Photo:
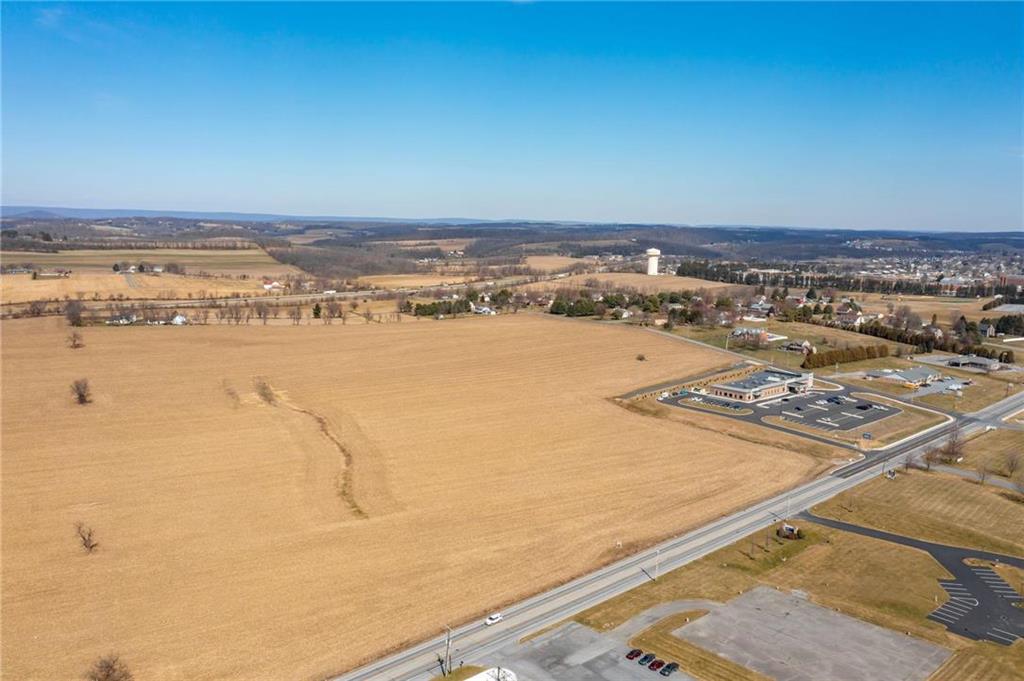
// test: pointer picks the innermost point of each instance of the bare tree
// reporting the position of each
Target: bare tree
(36, 308)
(953, 449)
(296, 315)
(236, 314)
(203, 316)
(1012, 462)
(332, 311)
(80, 389)
(982, 469)
(109, 668)
(85, 533)
(908, 461)
(933, 456)
(73, 313)
(75, 340)
(262, 312)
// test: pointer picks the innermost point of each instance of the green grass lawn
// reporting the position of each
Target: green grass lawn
(822, 337)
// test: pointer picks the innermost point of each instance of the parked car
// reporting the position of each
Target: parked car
(669, 669)
(646, 659)
(656, 665)
(494, 619)
(633, 654)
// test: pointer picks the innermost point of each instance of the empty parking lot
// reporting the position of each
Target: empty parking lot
(833, 410)
(785, 636)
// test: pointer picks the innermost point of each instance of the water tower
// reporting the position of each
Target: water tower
(652, 261)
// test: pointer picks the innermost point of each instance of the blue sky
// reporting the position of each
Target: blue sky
(860, 115)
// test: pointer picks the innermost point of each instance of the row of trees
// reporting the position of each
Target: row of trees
(442, 307)
(1004, 300)
(844, 355)
(1012, 324)
(924, 341)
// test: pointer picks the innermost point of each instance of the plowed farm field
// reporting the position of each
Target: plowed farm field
(279, 502)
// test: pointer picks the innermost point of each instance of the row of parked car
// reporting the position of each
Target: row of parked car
(651, 661)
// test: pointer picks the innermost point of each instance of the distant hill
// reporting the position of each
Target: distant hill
(99, 213)
(34, 213)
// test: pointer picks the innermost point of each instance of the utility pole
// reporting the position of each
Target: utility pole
(447, 650)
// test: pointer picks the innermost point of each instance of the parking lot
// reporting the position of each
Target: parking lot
(819, 409)
(980, 604)
(574, 652)
(785, 636)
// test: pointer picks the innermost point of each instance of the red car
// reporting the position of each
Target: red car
(633, 654)
(656, 665)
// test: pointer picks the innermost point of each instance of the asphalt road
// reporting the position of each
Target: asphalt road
(980, 605)
(476, 641)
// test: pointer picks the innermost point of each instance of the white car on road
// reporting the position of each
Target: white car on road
(494, 619)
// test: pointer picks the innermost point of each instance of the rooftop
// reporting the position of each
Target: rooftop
(761, 379)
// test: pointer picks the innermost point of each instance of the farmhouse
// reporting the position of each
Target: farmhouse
(763, 385)
(800, 346)
(974, 362)
(750, 334)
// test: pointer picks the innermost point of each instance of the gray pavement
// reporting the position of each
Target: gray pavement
(972, 475)
(785, 636)
(574, 652)
(980, 605)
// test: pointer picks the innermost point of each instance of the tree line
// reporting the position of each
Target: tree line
(844, 355)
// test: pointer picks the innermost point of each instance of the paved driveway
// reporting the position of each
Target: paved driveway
(980, 605)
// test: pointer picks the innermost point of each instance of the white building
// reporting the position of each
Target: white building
(494, 674)
(652, 261)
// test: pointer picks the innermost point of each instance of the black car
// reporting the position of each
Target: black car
(646, 659)
(669, 669)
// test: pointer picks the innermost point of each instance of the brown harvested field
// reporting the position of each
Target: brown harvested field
(253, 262)
(633, 280)
(86, 285)
(556, 263)
(406, 476)
(426, 244)
(941, 306)
(411, 280)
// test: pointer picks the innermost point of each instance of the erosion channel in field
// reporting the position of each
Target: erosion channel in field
(343, 469)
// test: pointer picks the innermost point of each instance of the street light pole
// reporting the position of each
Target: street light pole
(447, 650)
